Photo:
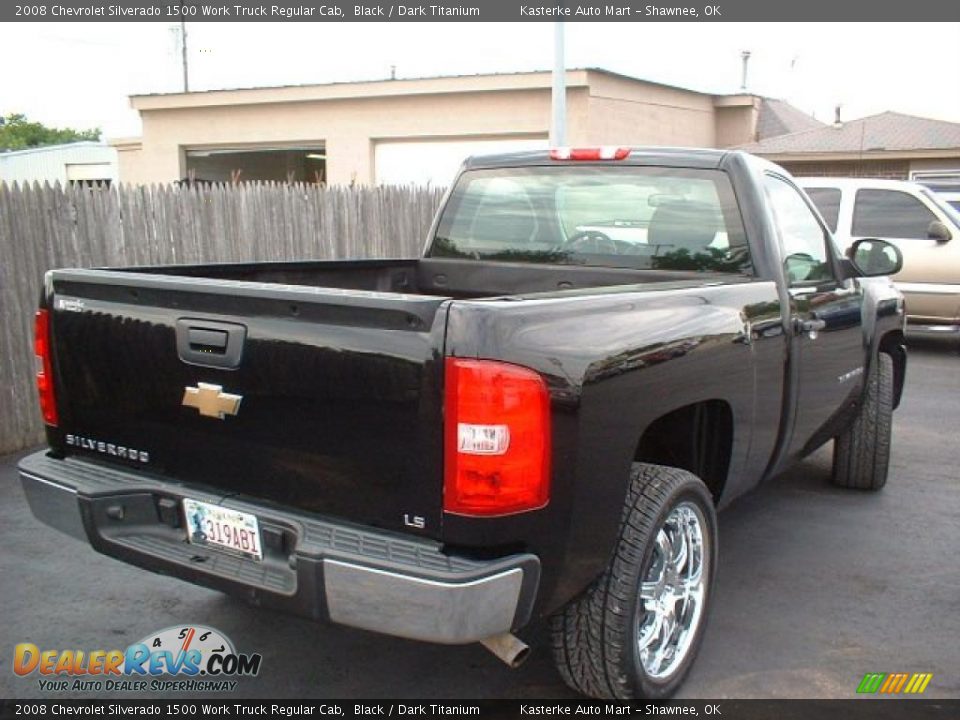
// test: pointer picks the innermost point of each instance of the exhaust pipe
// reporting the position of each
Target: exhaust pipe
(509, 648)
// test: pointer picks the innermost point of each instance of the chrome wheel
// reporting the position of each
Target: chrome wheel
(673, 590)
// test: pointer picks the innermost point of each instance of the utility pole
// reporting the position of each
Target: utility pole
(183, 55)
(558, 127)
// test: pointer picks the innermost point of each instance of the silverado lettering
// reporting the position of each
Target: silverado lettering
(118, 451)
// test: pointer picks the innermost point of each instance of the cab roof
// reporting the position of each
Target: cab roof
(704, 158)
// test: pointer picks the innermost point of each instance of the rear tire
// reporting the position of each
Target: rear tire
(861, 454)
(635, 631)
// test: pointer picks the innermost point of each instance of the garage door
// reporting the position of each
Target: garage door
(436, 161)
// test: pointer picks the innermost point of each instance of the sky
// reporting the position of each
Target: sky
(81, 74)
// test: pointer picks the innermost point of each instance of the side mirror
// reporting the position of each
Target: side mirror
(939, 232)
(874, 258)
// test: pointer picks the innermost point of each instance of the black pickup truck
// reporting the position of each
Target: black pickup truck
(535, 420)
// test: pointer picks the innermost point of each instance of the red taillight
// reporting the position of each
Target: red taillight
(497, 438)
(607, 152)
(41, 347)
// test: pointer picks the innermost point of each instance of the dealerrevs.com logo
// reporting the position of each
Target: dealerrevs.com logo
(185, 658)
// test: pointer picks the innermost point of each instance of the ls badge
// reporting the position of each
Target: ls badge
(211, 401)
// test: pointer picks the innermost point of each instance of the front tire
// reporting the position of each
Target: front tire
(635, 631)
(861, 454)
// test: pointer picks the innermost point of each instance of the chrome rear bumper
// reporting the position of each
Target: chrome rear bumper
(362, 577)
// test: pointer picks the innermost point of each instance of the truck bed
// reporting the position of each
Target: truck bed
(438, 277)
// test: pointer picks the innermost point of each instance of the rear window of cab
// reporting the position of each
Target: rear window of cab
(617, 216)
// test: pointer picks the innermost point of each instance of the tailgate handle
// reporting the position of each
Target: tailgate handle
(209, 343)
(204, 340)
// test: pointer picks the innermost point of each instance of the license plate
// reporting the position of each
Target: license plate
(220, 527)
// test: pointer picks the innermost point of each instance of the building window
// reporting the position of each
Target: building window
(233, 165)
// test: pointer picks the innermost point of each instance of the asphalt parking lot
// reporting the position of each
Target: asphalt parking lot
(817, 586)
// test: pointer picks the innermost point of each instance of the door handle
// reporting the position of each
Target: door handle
(812, 326)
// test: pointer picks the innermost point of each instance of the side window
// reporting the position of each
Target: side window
(827, 201)
(804, 240)
(890, 214)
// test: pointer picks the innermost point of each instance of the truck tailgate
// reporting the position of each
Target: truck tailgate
(330, 399)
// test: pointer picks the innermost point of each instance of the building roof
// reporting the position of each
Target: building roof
(428, 78)
(778, 117)
(53, 148)
(353, 90)
(886, 132)
(442, 84)
(774, 116)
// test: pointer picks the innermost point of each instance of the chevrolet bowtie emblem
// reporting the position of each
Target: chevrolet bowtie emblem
(211, 401)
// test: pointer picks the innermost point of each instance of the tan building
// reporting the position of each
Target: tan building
(398, 131)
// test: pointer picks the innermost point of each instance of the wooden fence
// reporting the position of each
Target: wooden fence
(44, 227)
